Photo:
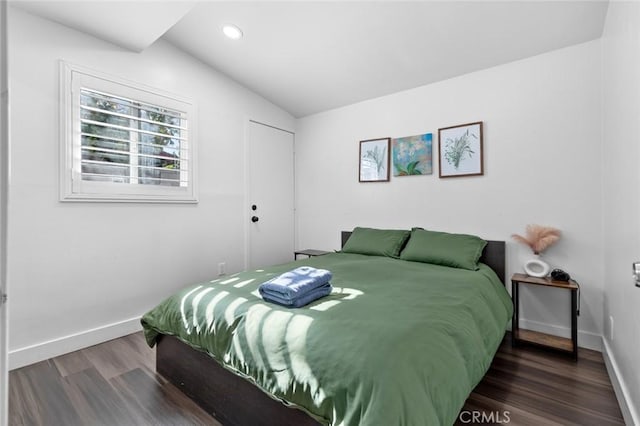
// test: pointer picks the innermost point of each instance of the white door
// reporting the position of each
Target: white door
(4, 162)
(270, 209)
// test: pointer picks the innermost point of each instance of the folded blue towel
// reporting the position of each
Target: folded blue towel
(295, 283)
(299, 301)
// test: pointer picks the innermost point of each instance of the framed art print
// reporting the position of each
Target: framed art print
(460, 150)
(374, 160)
(412, 155)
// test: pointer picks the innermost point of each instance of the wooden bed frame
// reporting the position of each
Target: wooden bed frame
(235, 401)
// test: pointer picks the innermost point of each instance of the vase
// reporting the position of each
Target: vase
(536, 267)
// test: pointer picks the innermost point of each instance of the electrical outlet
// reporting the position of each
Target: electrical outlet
(222, 268)
(611, 328)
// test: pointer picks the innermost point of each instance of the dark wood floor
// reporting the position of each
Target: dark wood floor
(114, 383)
(539, 387)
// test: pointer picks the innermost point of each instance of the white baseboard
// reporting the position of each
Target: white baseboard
(586, 339)
(629, 410)
(73, 342)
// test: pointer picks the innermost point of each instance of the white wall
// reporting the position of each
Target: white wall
(78, 267)
(542, 133)
(621, 203)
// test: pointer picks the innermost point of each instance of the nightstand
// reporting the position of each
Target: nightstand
(309, 253)
(519, 335)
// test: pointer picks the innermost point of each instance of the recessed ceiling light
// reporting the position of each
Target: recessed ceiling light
(232, 31)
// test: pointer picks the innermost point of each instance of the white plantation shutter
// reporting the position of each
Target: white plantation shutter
(124, 141)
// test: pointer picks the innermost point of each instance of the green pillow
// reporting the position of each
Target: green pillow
(441, 248)
(376, 242)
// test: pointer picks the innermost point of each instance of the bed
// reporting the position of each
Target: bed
(397, 342)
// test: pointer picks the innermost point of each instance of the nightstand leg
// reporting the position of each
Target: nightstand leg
(515, 320)
(574, 322)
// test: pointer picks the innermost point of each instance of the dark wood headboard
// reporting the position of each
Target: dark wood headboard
(493, 255)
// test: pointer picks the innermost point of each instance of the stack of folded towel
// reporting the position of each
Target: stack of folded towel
(298, 287)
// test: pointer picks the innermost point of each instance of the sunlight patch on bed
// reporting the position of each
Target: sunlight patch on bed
(237, 351)
(194, 304)
(325, 305)
(230, 280)
(347, 293)
(253, 319)
(211, 306)
(351, 293)
(230, 312)
(230, 318)
(273, 338)
(296, 339)
(243, 283)
(275, 342)
(185, 320)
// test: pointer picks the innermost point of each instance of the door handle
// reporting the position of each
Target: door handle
(254, 219)
(636, 273)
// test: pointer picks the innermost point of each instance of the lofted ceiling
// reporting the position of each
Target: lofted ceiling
(125, 23)
(308, 57)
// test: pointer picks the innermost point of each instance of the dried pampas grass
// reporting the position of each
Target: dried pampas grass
(538, 237)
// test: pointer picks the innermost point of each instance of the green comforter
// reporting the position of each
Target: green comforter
(396, 343)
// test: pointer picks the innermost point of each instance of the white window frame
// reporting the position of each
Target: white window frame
(72, 187)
